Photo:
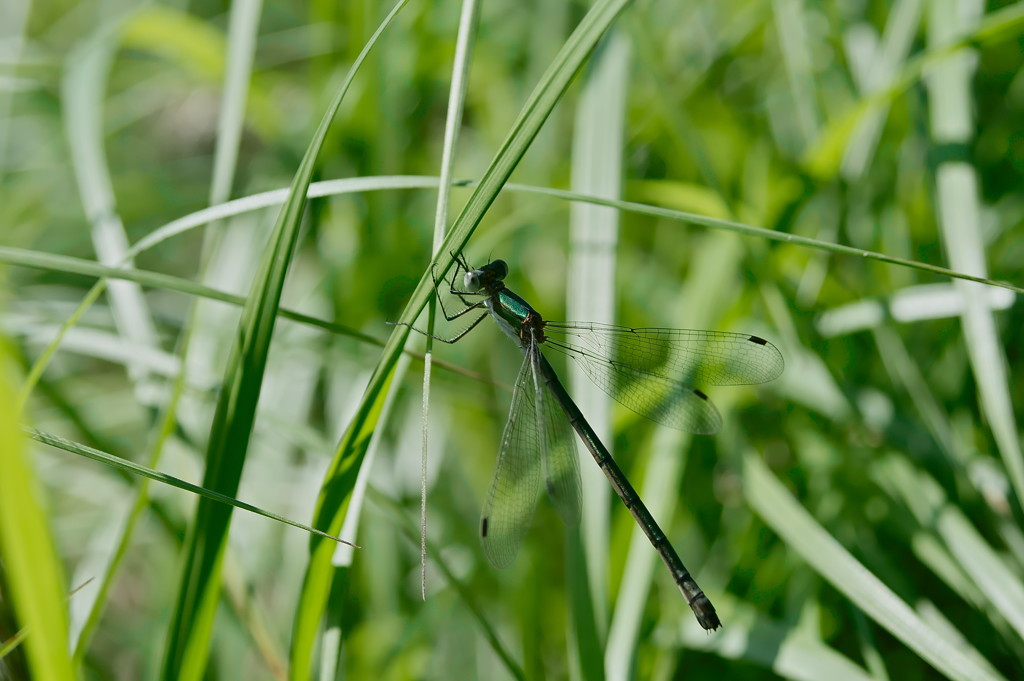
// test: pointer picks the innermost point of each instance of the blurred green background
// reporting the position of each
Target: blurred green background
(890, 127)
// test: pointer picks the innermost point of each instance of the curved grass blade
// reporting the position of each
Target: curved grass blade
(10, 645)
(336, 187)
(137, 469)
(769, 234)
(385, 182)
(336, 492)
(240, 48)
(192, 624)
(83, 85)
(167, 282)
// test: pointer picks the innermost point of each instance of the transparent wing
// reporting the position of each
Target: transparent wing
(538, 443)
(671, 403)
(517, 475)
(561, 460)
(653, 371)
(688, 356)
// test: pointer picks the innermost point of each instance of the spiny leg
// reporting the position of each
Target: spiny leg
(460, 263)
(465, 268)
(454, 339)
(451, 317)
(440, 300)
(455, 276)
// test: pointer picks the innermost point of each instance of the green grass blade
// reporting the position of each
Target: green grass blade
(34, 573)
(135, 515)
(8, 646)
(82, 89)
(959, 213)
(240, 48)
(63, 263)
(598, 147)
(468, 21)
(584, 636)
(191, 628)
(137, 469)
(16, 18)
(180, 38)
(453, 120)
(771, 235)
(333, 187)
(39, 366)
(335, 630)
(276, 197)
(803, 534)
(166, 282)
(336, 492)
(727, 106)
(243, 28)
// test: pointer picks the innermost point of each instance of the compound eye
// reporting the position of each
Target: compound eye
(472, 280)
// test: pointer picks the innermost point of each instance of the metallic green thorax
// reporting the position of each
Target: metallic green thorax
(516, 317)
(512, 308)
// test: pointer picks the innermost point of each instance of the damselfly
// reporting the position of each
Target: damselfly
(654, 372)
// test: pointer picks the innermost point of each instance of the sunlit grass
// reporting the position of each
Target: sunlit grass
(784, 169)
